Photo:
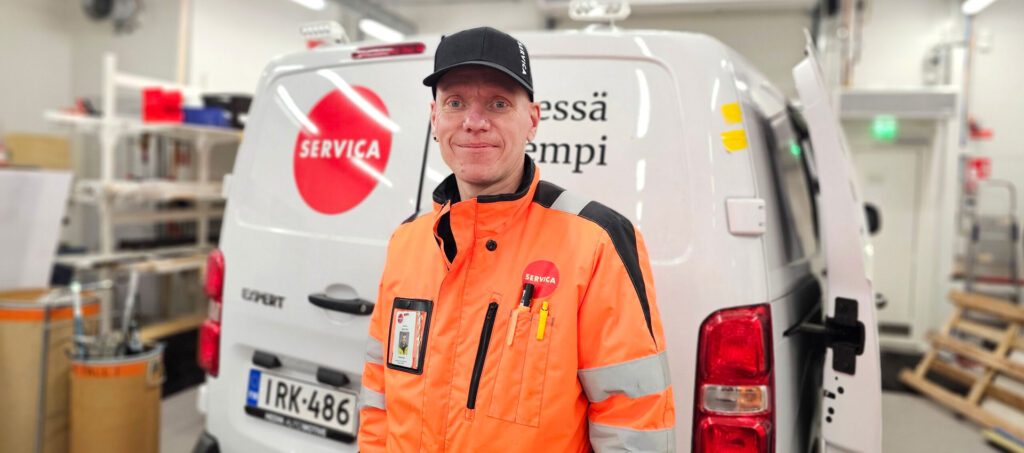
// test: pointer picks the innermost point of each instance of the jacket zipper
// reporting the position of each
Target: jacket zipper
(481, 354)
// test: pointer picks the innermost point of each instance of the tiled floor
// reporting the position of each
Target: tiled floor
(912, 424)
(180, 422)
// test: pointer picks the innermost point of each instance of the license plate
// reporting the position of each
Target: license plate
(311, 408)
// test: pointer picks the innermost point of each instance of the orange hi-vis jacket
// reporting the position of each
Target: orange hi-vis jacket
(454, 363)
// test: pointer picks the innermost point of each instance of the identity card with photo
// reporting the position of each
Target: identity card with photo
(407, 337)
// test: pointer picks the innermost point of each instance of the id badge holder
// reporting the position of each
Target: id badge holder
(408, 333)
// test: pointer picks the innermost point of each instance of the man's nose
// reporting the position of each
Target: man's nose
(475, 120)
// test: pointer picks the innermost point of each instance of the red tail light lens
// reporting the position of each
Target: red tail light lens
(389, 50)
(733, 346)
(215, 275)
(735, 392)
(741, 435)
(208, 355)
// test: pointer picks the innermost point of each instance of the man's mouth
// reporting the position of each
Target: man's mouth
(476, 145)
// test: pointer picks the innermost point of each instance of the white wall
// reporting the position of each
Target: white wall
(896, 36)
(35, 61)
(996, 94)
(232, 40)
(50, 53)
(151, 50)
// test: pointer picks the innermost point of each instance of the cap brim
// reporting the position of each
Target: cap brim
(432, 79)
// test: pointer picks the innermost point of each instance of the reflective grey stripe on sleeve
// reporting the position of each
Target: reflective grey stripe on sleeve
(569, 202)
(370, 398)
(374, 351)
(612, 439)
(635, 378)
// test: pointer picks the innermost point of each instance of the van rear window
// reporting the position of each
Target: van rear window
(789, 169)
(338, 151)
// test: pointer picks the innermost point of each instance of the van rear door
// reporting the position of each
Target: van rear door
(329, 167)
(851, 406)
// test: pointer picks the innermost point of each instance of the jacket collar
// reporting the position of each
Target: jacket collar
(461, 222)
(448, 190)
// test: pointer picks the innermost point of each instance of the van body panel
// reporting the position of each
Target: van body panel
(631, 119)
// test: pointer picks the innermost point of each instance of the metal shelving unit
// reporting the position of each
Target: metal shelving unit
(108, 193)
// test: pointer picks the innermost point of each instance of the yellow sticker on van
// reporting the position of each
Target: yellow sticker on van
(734, 140)
(731, 113)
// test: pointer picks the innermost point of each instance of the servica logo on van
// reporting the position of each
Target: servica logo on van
(339, 162)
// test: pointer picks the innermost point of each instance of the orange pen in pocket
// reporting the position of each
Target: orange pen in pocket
(512, 323)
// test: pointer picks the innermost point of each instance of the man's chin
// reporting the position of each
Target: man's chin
(476, 180)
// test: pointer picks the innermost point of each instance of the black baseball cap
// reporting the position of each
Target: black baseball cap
(483, 46)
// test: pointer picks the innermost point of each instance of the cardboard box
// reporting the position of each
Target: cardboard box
(37, 150)
(21, 342)
(115, 403)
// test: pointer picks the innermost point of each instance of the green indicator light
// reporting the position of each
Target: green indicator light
(885, 128)
(794, 149)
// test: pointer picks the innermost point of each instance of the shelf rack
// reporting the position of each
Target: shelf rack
(108, 191)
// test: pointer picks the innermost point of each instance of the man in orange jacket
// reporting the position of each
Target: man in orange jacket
(516, 317)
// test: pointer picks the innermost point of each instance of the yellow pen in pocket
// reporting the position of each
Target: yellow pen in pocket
(543, 320)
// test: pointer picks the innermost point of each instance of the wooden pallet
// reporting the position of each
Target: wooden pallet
(995, 361)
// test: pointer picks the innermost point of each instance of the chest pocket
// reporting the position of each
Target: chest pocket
(519, 388)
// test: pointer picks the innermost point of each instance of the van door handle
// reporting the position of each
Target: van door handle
(355, 306)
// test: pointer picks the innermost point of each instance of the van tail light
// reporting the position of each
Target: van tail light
(734, 410)
(215, 275)
(208, 354)
(388, 50)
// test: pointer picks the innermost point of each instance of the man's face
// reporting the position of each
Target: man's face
(482, 119)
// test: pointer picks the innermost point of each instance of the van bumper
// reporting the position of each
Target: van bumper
(206, 444)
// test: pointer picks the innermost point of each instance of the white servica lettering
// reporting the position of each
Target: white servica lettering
(522, 56)
(337, 149)
(541, 279)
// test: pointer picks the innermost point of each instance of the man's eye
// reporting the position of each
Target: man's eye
(500, 104)
(454, 104)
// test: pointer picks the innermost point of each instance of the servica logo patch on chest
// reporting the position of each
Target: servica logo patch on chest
(543, 275)
(339, 163)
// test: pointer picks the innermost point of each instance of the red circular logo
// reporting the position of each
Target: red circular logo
(341, 158)
(543, 275)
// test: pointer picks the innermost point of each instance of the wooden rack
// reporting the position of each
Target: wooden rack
(995, 361)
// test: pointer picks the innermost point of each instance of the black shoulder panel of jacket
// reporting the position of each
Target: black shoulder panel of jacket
(546, 193)
(623, 236)
(618, 227)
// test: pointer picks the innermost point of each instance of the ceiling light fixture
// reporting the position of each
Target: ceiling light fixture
(972, 7)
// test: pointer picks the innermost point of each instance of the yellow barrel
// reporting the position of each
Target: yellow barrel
(23, 327)
(115, 403)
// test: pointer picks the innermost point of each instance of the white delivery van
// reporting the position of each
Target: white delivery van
(747, 204)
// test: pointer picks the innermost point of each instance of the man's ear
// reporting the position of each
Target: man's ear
(534, 120)
(433, 116)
